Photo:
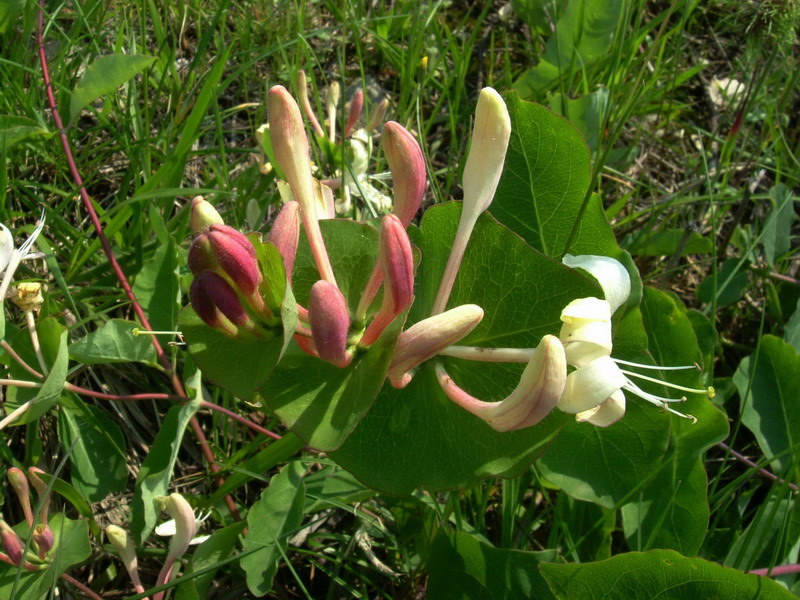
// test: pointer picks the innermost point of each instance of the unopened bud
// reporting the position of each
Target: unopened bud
(19, 482)
(125, 547)
(44, 538)
(285, 234)
(428, 337)
(536, 394)
(490, 135)
(302, 88)
(329, 318)
(42, 491)
(407, 165)
(203, 215)
(11, 543)
(397, 266)
(236, 257)
(377, 115)
(356, 106)
(219, 306)
(332, 101)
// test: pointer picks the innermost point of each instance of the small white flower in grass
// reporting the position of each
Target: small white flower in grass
(168, 528)
(10, 256)
(593, 391)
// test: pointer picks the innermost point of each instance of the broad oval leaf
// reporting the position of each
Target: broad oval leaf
(661, 574)
(114, 342)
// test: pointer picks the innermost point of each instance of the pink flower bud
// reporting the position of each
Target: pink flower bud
(397, 265)
(236, 257)
(285, 234)
(356, 106)
(44, 539)
(302, 88)
(203, 215)
(407, 165)
(330, 322)
(42, 491)
(185, 525)
(377, 115)
(428, 337)
(11, 543)
(20, 484)
(219, 306)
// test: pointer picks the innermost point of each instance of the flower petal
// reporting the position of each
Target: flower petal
(590, 385)
(605, 414)
(612, 276)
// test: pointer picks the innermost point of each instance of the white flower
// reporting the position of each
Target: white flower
(169, 528)
(10, 256)
(593, 391)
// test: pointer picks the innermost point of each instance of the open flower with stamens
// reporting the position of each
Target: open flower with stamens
(594, 390)
(11, 256)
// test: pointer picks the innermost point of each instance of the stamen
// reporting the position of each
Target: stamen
(657, 400)
(705, 392)
(619, 361)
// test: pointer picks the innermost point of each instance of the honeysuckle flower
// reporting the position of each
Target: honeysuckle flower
(11, 257)
(484, 166)
(329, 319)
(397, 266)
(594, 390)
(426, 338)
(356, 106)
(285, 234)
(292, 152)
(219, 306)
(44, 538)
(11, 543)
(537, 392)
(203, 215)
(126, 548)
(185, 528)
(169, 528)
(29, 295)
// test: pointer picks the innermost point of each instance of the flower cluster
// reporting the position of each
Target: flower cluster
(43, 540)
(573, 371)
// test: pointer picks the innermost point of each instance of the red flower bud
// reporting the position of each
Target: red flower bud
(407, 165)
(397, 263)
(285, 234)
(44, 538)
(330, 322)
(219, 306)
(20, 484)
(11, 543)
(356, 106)
(236, 257)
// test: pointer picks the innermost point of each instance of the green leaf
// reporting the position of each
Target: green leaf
(53, 341)
(16, 129)
(97, 449)
(728, 286)
(418, 437)
(778, 226)
(114, 342)
(332, 487)
(587, 113)
(791, 332)
(672, 510)
(667, 242)
(106, 74)
(661, 574)
(544, 183)
(462, 566)
(583, 35)
(768, 382)
(271, 521)
(157, 288)
(9, 10)
(156, 470)
(770, 537)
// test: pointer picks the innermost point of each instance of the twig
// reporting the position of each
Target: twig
(7, 347)
(775, 571)
(761, 471)
(240, 419)
(123, 280)
(85, 589)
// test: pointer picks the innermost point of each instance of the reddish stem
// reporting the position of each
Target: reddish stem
(123, 280)
(85, 589)
(775, 571)
(240, 419)
(761, 471)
